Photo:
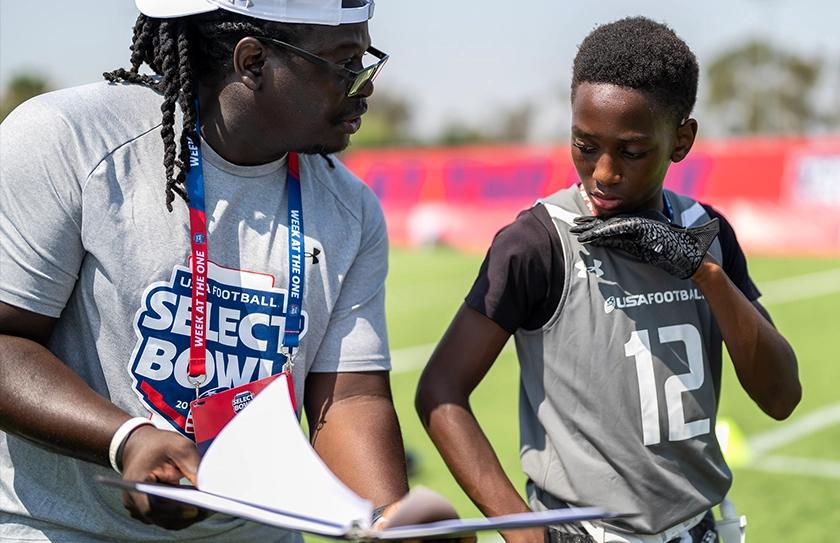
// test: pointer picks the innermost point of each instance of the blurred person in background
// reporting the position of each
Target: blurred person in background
(104, 189)
(619, 294)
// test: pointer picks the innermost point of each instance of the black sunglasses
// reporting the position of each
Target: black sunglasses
(356, 79)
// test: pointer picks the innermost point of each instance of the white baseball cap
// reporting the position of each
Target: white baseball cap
(321, 12)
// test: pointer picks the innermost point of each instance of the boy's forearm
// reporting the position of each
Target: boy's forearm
(474, 464)
(764, 361)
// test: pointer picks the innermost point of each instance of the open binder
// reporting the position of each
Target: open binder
(238, 476)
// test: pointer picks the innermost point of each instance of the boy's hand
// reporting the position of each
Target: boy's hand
(650, 238)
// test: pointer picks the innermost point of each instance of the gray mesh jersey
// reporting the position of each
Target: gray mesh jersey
(617, 400)
(86, 238)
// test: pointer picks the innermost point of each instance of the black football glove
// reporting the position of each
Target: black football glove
(650, 238)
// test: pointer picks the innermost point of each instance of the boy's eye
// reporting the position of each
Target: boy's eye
(633, 155)
(585, 149)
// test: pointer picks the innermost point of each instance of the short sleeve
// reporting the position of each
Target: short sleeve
(40, 209)
(520, 281)
(734, 262)
(356, 338)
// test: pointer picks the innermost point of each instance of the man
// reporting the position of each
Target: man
(619, 301)
(110, 286)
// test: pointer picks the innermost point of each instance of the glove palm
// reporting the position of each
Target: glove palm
(651, 239)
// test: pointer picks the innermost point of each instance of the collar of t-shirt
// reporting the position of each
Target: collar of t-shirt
(210, 156)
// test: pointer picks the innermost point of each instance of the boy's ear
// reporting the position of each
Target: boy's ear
(686, 133)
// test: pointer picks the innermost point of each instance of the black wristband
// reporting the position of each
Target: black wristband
(121, 449)
(119, 455)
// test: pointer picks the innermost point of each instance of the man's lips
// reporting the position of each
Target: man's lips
(350, 123)
(351, 126)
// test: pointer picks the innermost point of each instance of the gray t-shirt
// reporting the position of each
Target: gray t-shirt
(86, 238)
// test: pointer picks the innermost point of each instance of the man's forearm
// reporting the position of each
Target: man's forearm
(764, 361)
(354, 428)
(43, 400)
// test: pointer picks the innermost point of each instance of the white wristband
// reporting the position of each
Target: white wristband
(121, 435)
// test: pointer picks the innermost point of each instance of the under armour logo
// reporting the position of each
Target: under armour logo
(583, 268)
(313, 255)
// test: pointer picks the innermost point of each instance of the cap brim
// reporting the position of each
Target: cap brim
(165, 9)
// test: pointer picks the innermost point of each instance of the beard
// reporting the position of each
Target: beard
(324, 149)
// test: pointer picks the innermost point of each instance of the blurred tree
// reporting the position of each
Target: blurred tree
(458, 133)
(834, 92)
(387, 122)
(756, 88)
(516, 123)
(21, 88)
(511, 125)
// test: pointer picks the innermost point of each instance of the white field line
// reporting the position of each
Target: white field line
(795, 429)
(800, 287)
(794, 465)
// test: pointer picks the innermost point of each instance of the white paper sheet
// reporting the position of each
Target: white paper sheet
(204, 500)
(262, 457)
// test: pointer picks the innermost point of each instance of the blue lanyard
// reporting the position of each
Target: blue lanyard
(199, 319)
(297, 262)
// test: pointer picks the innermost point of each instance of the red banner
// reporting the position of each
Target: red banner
(782, 195)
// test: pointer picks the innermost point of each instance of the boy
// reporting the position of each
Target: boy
(619, 298)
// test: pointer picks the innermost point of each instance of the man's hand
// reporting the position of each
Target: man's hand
(421, 506)
(650, 238)
(160, 456)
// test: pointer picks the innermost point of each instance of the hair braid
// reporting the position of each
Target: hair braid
(186, 100)
(140, 48)
(168, 61)
(164, 46)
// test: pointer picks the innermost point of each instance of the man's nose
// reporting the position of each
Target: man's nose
(365, 90)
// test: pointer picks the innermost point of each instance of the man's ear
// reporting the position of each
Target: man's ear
(686, 133)
(249, 60)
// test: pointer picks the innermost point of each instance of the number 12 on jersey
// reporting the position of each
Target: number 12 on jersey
(639, 348)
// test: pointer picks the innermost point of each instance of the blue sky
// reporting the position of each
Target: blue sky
(463, 59)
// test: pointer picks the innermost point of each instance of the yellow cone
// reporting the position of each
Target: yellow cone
(734, 445)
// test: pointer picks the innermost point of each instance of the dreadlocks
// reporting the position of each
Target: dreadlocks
(179, 51)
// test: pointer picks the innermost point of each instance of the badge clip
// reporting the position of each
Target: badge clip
(196, 382)
(290, 353)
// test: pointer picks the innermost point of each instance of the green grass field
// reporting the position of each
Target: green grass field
(790, 490)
